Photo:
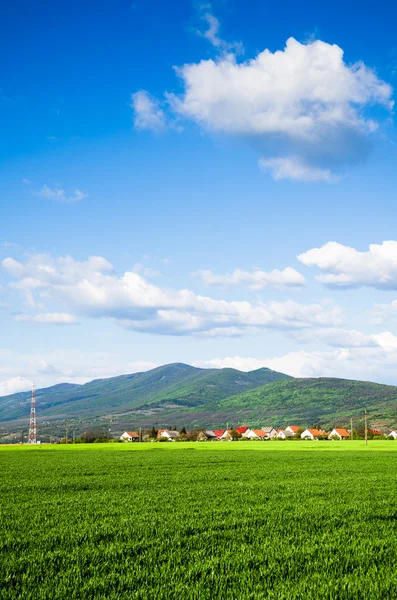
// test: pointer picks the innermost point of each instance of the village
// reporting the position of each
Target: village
(245, 433)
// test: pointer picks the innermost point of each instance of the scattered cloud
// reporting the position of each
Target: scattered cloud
(294, 168)
(145, 271)
(346, 267)
(147, 112)
(50, 318)
(255, 280)
(26, 181)
(304, 109)
(374, 363)
(19, 369)
(212, 33)
(60, 195)
(345, 338)
(384, 312)
(92, 289)
(13, 385)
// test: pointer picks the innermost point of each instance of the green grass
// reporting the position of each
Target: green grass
(199, 521)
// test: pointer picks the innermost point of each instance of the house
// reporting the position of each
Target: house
(219, 433)
(256, 434)
(130, 436)
(270, 431)
(291, 430)
(393, 434)
(242, 429)
(227, 436)
(375, 432)
(312, 434)
(282, 435)
(206, 436)
(168, 434)
(341, 434)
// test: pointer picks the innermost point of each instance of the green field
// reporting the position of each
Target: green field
(253, 520)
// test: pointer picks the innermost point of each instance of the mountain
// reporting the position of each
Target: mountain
(324, 400)
(167, 387)
(179, 394)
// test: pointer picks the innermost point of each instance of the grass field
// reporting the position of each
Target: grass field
(199, 521)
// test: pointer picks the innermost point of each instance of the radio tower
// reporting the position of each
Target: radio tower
(32, 425)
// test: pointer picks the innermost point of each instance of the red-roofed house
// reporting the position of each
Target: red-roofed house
(219, 432)
(375, 432)
(242, 429)
(130, 436)
(312, 434)
(292, 429)
(341, 434)
(256, 434)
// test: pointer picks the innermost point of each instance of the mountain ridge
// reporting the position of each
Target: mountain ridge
(189, 396)
(175, 381)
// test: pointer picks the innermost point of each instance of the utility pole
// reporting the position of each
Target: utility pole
(366, 427)
(74, 436)
(32, 439)
(351, 428)
(67, 431)
(140, 434)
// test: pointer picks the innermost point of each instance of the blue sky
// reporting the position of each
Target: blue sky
(240, 203)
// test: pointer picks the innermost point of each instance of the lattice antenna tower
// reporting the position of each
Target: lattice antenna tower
(32, 425)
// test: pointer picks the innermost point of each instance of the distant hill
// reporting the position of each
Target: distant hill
(170, 386)
(324, 400)
(179, 394)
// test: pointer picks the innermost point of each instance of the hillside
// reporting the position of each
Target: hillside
(325, 401)
(179, 394)
(170, 386)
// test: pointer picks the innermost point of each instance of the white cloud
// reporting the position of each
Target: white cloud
(60, 195)
(13, 385)
(303, 108)
(19, 369)
(294, 168)
(255, 280)
(347, 267)
(148, 114)
(50, 318)
(91, 288)
(345, 338)
(374, 364)
(212, 34)
(26, 181)
(145, 271)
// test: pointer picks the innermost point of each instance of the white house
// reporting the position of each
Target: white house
(341, 434)
(169, 434)
(130, 436)
(312, 434)
(393, 434)
(270, 431)
(281, 434)
(256, 434)
(207, 435)
(291, 430)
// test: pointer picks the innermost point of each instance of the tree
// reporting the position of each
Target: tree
(235, 435)
(153, 432)
(183, 430)
(95, 435)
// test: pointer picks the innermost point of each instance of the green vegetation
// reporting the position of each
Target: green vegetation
(164, 387)
(324, 401)
(199, 521)
(179, 396)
